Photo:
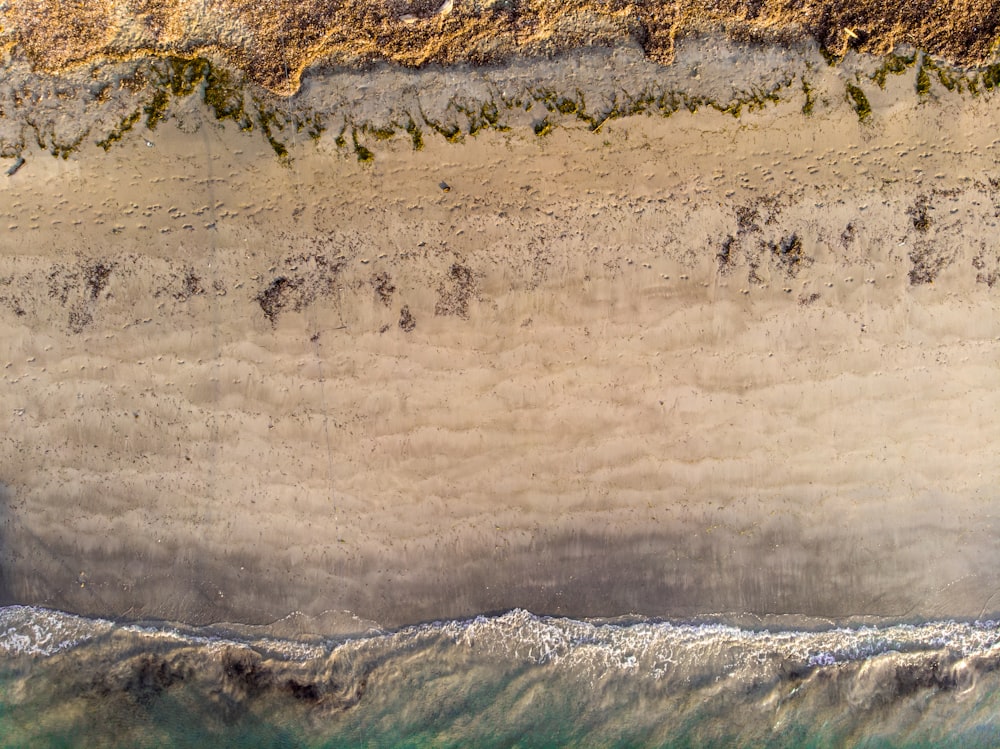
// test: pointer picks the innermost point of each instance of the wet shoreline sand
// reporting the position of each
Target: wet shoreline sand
(680, 367)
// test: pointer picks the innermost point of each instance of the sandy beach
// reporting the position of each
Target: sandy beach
(687, 366)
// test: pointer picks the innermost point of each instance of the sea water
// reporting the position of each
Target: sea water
(500, 681)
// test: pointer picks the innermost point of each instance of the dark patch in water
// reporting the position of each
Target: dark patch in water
(303, 691)
(243, 671)
(646, 682)
(153, 676)
(143, 678)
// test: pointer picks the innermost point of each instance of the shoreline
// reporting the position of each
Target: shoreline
(323, 690)
(361, 111)
(683, 365)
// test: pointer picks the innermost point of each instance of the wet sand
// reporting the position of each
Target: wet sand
(678, 367)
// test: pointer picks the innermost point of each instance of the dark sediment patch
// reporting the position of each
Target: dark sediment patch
(307, 277)
(919, 214)
(407, 322)
(455, 293)
(789, 255)
(383, 287)
(927, 261)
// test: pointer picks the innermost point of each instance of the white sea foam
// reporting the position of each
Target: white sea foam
(594, 681)
(661, 650)
(27, 630)
(680, 652)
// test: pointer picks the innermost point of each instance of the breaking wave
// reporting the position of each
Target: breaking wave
(513, 679)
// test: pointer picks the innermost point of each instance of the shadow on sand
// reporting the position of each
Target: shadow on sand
(6, 595)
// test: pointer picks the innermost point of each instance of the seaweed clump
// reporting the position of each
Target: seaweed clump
(309, 277)
(364, 154)
(416, 135)
(543, 127)
(269, 122)
(407, 322)
(919, 214)
(810, 103)
(923, 82)
(123, 127)
(859, 101)
(277, 296)
(225, 97)
(892, 64)
(789, 255)
(156, 109)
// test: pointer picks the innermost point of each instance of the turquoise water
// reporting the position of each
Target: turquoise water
(504, 681)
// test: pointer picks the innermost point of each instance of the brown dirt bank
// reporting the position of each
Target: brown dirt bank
(275, 42)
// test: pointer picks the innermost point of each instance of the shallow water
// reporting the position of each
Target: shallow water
(510, 680)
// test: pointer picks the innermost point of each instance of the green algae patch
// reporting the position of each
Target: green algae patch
(416, 135)
(755, 100)
(923, 85)
(946, 78)
(156, 109)
(48, 141)
(124, 126)
(365, 156)
(484, 117)
(313, 125)
(647, 102)
(451, 132)
(892, 64)
(990, 77)
(556, 102)
(831, 58)
(380, 133)
(543, 127)
(340, 141)
(179, 77)
(735, 109)
(269, 122)
(224, 95)
(810, 100)
(65, 149)
(859, 101)
(566, 106)
(228, 96)
(221, 91)
(184, 75)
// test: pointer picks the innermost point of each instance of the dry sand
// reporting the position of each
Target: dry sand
(680, 367)
(275, 42)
